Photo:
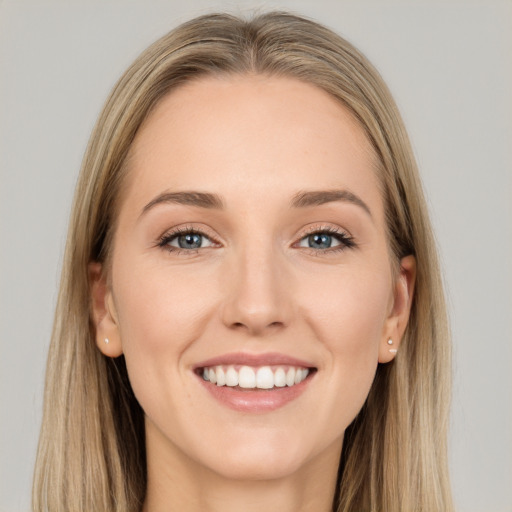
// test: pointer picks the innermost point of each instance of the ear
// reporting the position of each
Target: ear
(396, 322)
(104, 315)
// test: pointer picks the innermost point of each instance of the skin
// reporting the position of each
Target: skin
(254, 286)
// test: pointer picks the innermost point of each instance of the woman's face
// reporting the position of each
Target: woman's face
(251, 247)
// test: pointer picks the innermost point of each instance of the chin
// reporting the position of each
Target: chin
(257, 468)
(267, 456)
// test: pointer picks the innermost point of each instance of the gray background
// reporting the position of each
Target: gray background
(449, 66)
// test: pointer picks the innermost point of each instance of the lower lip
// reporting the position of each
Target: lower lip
(256, 400)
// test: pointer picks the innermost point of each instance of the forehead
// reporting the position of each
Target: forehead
(250, 136)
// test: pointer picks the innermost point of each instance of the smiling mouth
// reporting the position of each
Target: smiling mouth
(248, 378)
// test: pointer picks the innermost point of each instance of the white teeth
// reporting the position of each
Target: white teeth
(290, 377)
(221, 377)
(265, 378)
(247, 377)
(231, 377)
(280, 378)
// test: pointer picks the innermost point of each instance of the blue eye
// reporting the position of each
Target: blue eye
(188, 241)
(185, 240)
(322, 240)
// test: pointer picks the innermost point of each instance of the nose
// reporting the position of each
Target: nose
(257, 294)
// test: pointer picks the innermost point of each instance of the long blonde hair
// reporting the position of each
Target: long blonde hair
(91, 452)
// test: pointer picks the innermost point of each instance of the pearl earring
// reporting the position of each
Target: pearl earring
(392, 350)
(107, 341)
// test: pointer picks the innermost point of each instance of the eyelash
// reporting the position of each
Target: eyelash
(346, 241)
(168, 237)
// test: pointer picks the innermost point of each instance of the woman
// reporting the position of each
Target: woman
(251, 313)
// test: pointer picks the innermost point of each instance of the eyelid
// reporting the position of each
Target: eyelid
(163, 240)
(174, 239)
(343, 235)
(324, 228)
(346, 240)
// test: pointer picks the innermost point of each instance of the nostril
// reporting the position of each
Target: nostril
(242, 325)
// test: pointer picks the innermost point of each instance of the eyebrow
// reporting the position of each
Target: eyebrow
(319, 197)
(199, 199)
(303, 199)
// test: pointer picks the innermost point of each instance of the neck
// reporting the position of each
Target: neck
(177, 483)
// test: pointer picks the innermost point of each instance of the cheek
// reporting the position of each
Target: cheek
(348, 316)
(160, 307)
(161, 313)
(348, 309)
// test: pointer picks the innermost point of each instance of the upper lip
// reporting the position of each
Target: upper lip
(247, 359)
